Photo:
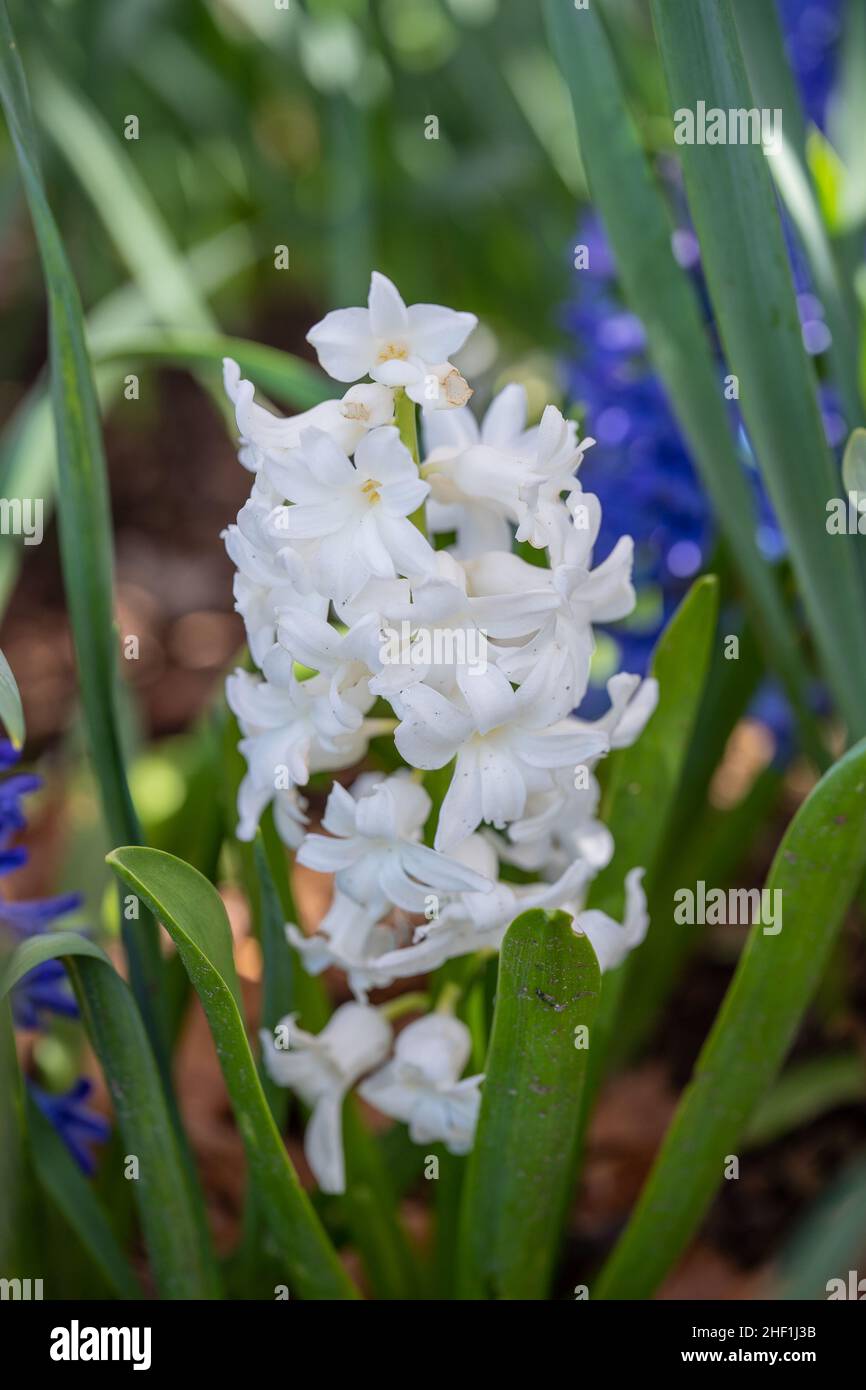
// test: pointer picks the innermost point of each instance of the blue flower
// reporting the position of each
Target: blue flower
(44, 989)
(813, 29)
(78, 1126)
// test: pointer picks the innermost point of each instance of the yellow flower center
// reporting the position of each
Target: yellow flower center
(394, 350)
(370, 490)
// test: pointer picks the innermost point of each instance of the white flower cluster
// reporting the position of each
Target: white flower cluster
(345, 539)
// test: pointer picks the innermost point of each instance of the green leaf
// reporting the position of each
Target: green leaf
(641, 791)
(847, 117)
(64, 1184)
(659, 291)
(817, 868)
(193, 914)
(18, 1191)
(775, 89)
(84, 521)
(519, 1171)
(182, 1267)
(278, 373)
(121, 199)
(11, 711)
(732, 201)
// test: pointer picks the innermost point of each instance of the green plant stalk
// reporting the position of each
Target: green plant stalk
(406, 418)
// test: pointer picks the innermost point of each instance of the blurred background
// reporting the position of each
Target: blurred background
(239, 166)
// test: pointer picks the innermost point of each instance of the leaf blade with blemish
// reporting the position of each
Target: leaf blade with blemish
(521, 1165)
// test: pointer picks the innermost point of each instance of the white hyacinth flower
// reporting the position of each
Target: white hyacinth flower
(266, 438)
(351, 522)
(421, 1085)
(506, 743)
(373, 849)
(322, 1068)
(386, 341)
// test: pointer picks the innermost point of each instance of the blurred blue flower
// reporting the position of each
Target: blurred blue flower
(45, 989)
(78, 1126)
(813, 29)
(641, 468)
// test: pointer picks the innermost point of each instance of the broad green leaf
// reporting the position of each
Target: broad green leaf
(193, 914)
(64, 1184)
(745, 261)
(774, 89)
(84, 522)
(182, 1266)
(854, 463)
(11, 711)
(817, 869)
(659, 291)
(640, 795)
(278, 373)
(519, 1172)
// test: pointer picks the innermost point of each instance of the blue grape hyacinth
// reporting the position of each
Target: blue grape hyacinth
(44, 990)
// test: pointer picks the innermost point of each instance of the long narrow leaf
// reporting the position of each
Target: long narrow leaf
(289, 378)
(775, 89)
(64, 1184)
(519, 1171)
(182, 1266)
(642, 789)
(85, 521)
(743, 251)
(122, 200)
(193, 914)
(816, 870)
(658, 289)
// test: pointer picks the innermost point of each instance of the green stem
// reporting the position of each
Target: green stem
(406, 417)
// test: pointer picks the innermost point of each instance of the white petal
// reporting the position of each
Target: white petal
(344, 343)
(506, 417)
(388, 316)
(436, 333)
